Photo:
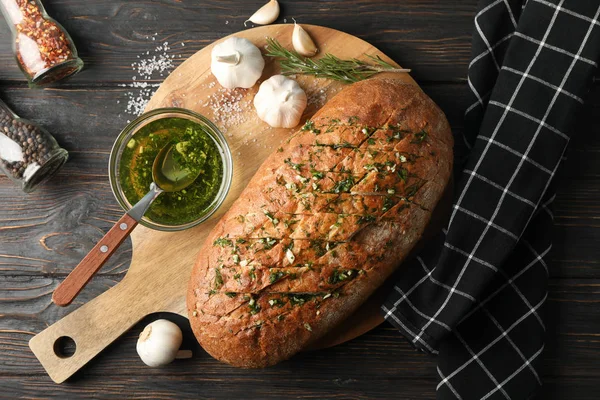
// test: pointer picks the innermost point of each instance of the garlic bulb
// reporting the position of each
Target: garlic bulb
(266, 14)
(236, 62)
(159, 343)
(302, 42)
(280, 102)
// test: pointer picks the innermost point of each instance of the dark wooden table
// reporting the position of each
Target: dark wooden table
(44, 235)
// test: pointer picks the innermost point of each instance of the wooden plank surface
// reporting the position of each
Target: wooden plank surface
(432, 37)
(44, 235)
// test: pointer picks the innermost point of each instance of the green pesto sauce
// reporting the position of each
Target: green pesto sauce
(135, 169)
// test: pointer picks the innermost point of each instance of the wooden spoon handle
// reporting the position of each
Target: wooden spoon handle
(73, 284)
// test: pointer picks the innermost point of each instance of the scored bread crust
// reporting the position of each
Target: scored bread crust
(322, 224)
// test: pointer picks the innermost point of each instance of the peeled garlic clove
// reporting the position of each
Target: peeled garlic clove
(302, 42)
(265, 15)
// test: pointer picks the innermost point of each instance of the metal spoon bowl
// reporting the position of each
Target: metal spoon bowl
(168, 174)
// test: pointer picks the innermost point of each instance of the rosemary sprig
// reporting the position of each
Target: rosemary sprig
(328, 66)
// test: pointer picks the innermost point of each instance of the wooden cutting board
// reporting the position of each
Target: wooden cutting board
(161, 262)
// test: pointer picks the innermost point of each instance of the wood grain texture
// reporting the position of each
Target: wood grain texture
(43, 236)
(182, 387)
(432, 37)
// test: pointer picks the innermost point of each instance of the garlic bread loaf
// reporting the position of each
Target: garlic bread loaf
(325, 220)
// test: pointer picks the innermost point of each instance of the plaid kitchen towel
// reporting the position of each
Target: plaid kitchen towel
(475, 296)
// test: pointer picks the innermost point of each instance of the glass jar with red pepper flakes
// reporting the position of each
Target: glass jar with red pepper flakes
(43, 48)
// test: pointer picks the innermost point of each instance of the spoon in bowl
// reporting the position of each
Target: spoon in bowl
(167, 176)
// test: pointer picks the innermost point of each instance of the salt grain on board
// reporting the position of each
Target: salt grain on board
(228, 107)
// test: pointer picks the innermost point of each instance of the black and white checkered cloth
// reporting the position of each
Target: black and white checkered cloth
(475, 296)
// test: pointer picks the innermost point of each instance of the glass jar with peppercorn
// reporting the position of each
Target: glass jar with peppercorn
(28, 153)
(43, 48)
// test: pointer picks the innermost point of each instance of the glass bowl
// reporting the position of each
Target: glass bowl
(129, 132)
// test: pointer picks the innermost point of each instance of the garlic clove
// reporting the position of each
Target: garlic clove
(159, 343)
(302, 42)
(265, 15)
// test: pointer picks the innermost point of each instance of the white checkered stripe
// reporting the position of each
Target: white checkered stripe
(474, 296)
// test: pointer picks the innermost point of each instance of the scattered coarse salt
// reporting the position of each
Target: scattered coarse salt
(160, 62)
(313, 87)
(228, 107)
(317, 98)
(146, 68)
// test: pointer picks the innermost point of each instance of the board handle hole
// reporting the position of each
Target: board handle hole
(64, 347)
